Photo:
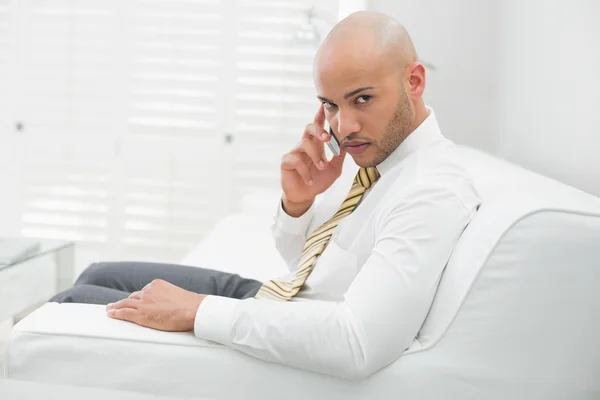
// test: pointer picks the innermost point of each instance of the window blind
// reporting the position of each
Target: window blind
(6, 50)
(171, 149)
(146, 121)
(66, 106)
(275, 96)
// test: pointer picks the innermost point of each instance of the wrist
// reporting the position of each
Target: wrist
(294, 209)
(192, 310)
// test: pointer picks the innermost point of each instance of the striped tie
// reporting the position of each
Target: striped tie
(318, 240)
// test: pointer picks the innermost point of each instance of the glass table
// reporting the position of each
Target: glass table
(35, 276)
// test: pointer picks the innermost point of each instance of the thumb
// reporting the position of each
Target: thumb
(337, 162)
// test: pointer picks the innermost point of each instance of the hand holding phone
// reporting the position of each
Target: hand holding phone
(305, 170)
(333, 143)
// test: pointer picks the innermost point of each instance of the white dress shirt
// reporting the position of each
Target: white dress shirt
(372, 287)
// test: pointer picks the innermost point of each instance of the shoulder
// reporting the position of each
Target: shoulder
(434, 175)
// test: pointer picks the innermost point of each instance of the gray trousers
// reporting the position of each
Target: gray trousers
(107, 282)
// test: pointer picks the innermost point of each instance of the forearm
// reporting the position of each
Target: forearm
(321, 337)
(350, 339)
(317, 336)
(290, 234)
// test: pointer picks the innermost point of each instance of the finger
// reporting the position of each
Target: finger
(304, 173)
(316, 131)
(155, 282)
(292, 162)
(320, 116)
(316, 152)
(125, 303)
(125, 314)
(136, 295)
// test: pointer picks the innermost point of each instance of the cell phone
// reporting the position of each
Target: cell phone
(333, 143)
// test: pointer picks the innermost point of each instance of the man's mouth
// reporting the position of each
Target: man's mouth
(356, 147)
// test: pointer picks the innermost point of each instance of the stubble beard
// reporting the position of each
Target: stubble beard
(398, 129)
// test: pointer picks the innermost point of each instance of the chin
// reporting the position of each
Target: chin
(365, 160)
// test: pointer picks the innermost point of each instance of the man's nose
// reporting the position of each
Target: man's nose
(346, 124)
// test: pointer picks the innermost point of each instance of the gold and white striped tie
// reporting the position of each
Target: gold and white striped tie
(318, 240)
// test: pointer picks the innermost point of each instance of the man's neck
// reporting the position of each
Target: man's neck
(421, 114)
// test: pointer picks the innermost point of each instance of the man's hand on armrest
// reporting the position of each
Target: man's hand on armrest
(160, 305)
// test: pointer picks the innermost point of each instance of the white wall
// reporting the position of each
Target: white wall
(459, 37)
(518, 78)
(549, 89)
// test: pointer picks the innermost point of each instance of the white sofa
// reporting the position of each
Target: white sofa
(516, 315)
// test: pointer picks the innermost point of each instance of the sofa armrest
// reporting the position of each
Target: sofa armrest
(77, 344)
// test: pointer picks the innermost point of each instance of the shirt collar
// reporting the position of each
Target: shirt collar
(426, 133)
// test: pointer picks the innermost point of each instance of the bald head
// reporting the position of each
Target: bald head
(370, 34)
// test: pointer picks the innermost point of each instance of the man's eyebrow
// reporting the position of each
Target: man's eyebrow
(347, 95)
(324, 99)
(356, 91)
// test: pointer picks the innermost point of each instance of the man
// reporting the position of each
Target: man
(365, 259)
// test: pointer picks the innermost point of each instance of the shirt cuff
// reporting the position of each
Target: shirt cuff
(292, 225)
(213, 319)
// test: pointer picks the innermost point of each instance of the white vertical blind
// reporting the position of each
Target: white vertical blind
(65, 101)
(275, 96)
(9, 172)
(5, 50)
(145, 121)
(171, 150)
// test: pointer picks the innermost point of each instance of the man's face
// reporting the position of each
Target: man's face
(365, 103)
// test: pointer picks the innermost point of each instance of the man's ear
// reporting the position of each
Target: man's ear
(416, 80)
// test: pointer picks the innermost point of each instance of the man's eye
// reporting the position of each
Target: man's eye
(327, 104)
(363, 99)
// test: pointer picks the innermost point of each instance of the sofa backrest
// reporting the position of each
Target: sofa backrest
(519, 296)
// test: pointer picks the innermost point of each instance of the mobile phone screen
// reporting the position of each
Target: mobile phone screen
(333, 143)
